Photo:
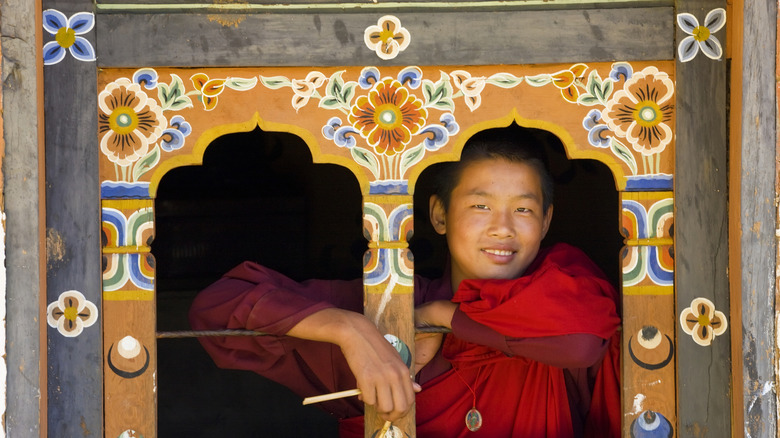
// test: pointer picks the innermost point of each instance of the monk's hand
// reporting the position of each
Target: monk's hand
(435, 314)
(425, 347)
(382, 377)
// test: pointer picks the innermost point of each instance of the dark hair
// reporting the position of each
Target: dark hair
(513, 144)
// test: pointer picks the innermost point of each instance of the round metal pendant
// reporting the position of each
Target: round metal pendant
(473, 420)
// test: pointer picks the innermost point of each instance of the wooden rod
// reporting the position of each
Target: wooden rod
(331, 396)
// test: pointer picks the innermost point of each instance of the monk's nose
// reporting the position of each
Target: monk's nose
(502, 225)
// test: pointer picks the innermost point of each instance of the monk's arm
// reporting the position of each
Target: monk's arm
(255, 298)
(381, 375)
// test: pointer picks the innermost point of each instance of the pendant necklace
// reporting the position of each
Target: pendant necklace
(473, 417)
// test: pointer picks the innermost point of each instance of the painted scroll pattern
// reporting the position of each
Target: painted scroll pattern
(648, 260)
(391, 114)
(379, 225)
(387, 123)
(129, 348)
(121, 271)
(647, 224)
(381, 265)
(134, 228)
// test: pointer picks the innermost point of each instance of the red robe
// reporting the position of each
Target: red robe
(561, 293)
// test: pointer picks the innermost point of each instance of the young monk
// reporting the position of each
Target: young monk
(534, 347)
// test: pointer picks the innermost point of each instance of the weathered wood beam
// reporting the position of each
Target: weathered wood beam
(701, 233)
(23, 360)
(75, 371)
(757, 222)
(451, 38)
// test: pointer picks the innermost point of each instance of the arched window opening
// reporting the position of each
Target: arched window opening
(258, 197)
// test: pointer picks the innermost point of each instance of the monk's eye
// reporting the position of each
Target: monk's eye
(523, 210)
(480, 206)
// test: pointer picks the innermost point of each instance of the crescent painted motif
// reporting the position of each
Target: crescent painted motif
(652, 366)
(127, 374)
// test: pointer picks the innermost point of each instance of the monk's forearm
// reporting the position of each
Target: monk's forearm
(333, 325)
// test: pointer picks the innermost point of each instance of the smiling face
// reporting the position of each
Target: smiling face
(495, 220)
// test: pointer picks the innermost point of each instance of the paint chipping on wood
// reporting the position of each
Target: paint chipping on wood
(55, 247)
(86, 431)
(696, 430)
(228, 20)
(638, 401)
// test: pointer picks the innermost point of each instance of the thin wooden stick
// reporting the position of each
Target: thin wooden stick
(331, 396)
(384, 430)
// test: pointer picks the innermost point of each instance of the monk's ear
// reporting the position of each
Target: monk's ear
(437, 214)
(546, 220)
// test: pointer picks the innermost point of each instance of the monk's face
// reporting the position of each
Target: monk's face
(495, 221)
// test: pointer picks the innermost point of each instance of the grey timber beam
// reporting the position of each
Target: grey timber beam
(757, 218)
(451, 38)
(191, 6)
(701, 233)
(75, 371)
(21, 179)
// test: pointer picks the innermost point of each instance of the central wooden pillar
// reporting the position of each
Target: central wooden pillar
(388, 282)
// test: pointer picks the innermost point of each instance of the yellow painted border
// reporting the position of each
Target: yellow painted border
(211, 134)
(126, 204)
(395, 244)
(126, 249)
(568, 144)
(649, 242)
(128, 295)
(648, 290)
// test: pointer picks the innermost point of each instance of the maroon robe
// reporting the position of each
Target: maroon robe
(517, 343)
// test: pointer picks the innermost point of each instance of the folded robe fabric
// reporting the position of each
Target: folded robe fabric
(562, 292)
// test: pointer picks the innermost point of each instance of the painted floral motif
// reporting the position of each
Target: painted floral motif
(67, 36)
(173, 137)
(598, 133)
(393, 116)
(471, 87)
(395, 110)
(387, 38)
(701, 36)
(388, 117)
(568, 80)
(642, 110)
(209, 89)
(71, 313)
(129, 121)
(132, 126)
(304, 89)
(702, 321)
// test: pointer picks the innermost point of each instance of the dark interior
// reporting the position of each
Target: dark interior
(259, 197)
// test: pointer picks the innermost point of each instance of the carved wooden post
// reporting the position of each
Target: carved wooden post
(129, 344)
(647, 221)
(388, 282)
